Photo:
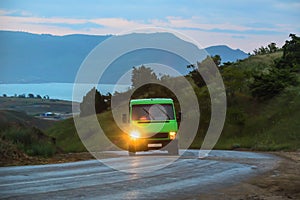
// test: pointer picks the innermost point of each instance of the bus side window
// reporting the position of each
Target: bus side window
(124, 118)
(179, 117)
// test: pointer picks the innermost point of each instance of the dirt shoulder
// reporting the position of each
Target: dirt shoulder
(282, 182)
(18, 158)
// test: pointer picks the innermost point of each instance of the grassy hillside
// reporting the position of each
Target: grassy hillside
(270, 125)
(66, 136)
(251, 123)
(259, 61)
(8, 118)
(20, 135)
(261, 124)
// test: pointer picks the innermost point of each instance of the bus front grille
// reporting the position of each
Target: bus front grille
(160, 135)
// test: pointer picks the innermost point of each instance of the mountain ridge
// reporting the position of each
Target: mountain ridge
(41, 58)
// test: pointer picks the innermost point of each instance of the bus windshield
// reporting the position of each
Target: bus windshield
(160, 112)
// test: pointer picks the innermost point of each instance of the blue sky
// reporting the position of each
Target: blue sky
(239, 24)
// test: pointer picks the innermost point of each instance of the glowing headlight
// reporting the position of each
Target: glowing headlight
(134, 134)
(172, 135)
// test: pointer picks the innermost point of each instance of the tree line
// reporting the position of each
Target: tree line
(30, 96)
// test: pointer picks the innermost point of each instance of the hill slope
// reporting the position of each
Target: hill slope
(270, 124)
(250, 123)
(20, 136)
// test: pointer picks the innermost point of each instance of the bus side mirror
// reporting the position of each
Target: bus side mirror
(179, 117)
(124, 118)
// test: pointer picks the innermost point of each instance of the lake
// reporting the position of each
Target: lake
(63, 91)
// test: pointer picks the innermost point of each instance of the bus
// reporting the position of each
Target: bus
(153, 125)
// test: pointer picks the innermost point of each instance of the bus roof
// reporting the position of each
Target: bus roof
(151, 101)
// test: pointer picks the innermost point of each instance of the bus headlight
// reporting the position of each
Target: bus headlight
(135, 134)
(172, 135)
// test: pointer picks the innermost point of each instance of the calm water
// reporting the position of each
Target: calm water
(62, 91)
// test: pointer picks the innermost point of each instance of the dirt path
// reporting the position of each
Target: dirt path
(283, 182)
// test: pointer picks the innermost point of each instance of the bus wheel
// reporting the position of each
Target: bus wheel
(173, 148)
(131, 150)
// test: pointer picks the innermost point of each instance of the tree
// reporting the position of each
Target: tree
(274, 79)
(217, 60)
(233, 78)
(262, 50)
(142, 75)
(291, 54)
(107, 100)
(195, 75)
(30, 95)
(207, 68)
(268, 83)
(93, 103)
(270, 48)
(21, 96)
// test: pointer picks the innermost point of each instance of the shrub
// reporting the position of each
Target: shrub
(45, 150)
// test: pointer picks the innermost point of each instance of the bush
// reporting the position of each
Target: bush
(45, 150)
(270, 82)
(18, 136)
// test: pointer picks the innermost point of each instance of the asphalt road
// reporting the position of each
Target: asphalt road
(187, 177)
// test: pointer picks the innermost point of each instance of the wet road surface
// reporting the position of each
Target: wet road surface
(185, 177)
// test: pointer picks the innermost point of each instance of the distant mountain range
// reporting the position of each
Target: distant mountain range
(34, 58)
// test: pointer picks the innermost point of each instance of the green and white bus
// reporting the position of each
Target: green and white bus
(153, 125)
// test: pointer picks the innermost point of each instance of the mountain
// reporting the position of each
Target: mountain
(227, 54)
(34, 58)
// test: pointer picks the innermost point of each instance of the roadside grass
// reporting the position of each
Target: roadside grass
(25, 133)
(29, 140)
(66, 136)
(117, 136)
(90, 136)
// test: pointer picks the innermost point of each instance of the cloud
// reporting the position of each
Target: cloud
(193, 24)
(115, 25)
(287, 6)
(219, 32)
(6, 12)
(36, 24)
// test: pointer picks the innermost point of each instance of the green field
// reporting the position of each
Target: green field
(35, 106)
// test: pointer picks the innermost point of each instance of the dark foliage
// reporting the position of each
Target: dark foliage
(94, 102)
(266, 84)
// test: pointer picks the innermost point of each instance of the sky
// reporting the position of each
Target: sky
(244, 25)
